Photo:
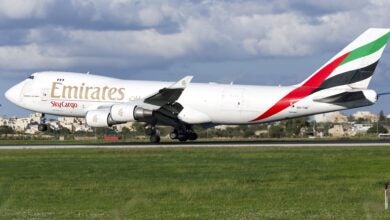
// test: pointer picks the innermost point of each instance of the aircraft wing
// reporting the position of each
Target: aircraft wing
(168, 109)
(168, 95)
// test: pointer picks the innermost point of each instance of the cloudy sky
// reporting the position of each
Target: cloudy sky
(245, 42)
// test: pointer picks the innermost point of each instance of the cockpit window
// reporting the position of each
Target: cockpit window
(31, 77)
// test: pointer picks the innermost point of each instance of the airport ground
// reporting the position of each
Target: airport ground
(196, 183)
(144, 140)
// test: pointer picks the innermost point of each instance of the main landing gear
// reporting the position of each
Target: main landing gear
(183, 134)
(154, 134)
(42, 124)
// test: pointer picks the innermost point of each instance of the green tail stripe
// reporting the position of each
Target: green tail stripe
(367, 49)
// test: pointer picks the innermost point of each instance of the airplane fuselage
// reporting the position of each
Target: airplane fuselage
(74, 94)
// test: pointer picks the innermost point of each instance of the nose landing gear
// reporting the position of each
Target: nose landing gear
(42, 127)
(42, 124)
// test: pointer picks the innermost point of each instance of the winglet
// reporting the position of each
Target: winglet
(169, 94)
(181, 84)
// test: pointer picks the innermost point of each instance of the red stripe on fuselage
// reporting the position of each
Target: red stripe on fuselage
(301, 92)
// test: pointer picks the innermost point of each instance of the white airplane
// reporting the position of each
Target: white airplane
(339, 84)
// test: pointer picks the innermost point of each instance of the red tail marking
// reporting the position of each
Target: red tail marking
(297, 94)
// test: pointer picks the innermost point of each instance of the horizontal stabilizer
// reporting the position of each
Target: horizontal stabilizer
(342, 97)
(351, 99)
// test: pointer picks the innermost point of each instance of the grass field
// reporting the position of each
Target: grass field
(195, 183)
(167, 140)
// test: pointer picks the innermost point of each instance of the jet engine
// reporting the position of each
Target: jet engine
(128, 112)
(117, 114)
(99, 118)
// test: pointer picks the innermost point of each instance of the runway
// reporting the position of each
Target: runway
(200, 145)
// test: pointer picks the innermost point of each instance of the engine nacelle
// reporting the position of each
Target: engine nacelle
(128, 112)
(99, 118)
(117, 114)
(123, 112)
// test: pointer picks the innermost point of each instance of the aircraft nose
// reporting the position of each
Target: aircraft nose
(13, 94)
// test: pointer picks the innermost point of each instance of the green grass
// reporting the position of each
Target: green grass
(145, 139)
(195, 183)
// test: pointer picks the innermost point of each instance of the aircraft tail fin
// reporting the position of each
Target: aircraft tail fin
(353, 66)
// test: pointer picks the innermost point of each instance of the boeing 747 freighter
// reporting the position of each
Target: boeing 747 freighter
(341, 83)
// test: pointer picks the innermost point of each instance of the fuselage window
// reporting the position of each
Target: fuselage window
(31, 77)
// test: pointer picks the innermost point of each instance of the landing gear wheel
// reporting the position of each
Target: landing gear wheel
(155, 139)
(192, 136)
(150, 131)
(42, 127)
(153, 132)
(182, 137)
(173, 135)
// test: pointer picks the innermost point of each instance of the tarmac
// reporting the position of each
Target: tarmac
(203, 144)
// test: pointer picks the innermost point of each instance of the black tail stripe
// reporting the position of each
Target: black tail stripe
(349, 77)
(344, 97)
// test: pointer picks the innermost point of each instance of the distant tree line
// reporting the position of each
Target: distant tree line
(291, 128)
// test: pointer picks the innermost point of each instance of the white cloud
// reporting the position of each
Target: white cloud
(66, 34)
(150, 16)
(29, 56)
(23, 9)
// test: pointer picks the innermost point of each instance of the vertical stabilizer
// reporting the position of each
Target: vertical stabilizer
(354, 65)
